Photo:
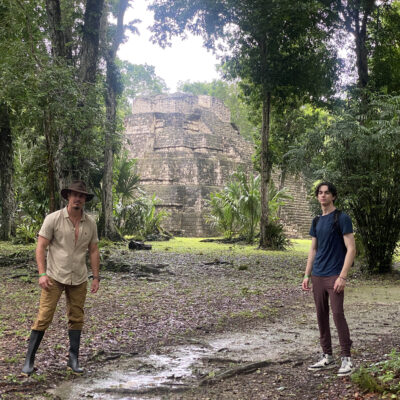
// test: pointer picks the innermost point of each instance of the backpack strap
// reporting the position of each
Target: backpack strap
(336, 224)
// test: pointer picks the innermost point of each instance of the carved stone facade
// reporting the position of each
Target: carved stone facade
(187, 148)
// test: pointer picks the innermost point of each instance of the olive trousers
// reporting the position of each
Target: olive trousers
(75, 296)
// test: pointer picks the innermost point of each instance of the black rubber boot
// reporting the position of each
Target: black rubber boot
(34, 342)
(74, 343)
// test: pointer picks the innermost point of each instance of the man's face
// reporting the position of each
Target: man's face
(325, 197)
(76, 200)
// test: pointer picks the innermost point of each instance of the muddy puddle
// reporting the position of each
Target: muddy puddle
(371, 313)
(179, 368)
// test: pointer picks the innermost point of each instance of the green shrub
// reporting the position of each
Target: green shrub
(141, 218)
(366, 381)
(383, 377)
(276, 236)
(236, 210)
(27, 231)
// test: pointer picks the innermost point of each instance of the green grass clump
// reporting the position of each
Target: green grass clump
(365, 380)
(383, 377)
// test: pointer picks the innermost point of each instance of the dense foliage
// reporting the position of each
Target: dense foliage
(236, 210)
(62, 105)
(141, 218)
(362, 155)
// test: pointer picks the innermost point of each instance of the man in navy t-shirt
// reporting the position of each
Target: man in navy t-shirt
(331, 255)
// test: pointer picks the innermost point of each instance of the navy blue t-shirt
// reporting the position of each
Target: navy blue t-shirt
(331, 251)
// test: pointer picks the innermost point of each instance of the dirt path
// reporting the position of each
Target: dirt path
(277, 354)
(171, 335)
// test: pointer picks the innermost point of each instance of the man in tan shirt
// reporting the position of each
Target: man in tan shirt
(68, 234)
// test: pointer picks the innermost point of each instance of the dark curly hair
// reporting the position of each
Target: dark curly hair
(331, 188)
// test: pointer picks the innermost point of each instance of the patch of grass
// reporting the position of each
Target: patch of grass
(11, 360)
(39, 378)
(246, 291)
(20, 333)
(196, 246)
(382, 377)
(26, 279)
(301, 245)
(262, 313)
(8, 247)
(12, 378)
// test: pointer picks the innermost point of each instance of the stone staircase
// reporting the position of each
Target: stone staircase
(295, 215)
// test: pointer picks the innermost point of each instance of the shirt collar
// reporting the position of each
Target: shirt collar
(66, 215)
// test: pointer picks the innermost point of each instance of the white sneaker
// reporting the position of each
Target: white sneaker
(326, 362)
(346, 368)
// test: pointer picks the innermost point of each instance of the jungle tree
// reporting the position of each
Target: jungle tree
(112, 92)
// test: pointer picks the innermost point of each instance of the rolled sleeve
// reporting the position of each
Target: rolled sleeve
(47, 229)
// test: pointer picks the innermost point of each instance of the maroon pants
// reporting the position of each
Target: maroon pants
(323, 292)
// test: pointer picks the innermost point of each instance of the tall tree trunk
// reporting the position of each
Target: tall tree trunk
(356, 16)
(110, 231)
(55, 161)
(51, 178)
(360, 36)
(7, 200)
(90, 41)
(265, 169)
(57, 36)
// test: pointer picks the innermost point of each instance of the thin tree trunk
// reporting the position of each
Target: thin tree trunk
(7, 200)
(265, 169)
(282, 179)
(51, 179)
(110, 231)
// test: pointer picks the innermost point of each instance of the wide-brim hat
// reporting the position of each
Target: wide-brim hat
(77, 186)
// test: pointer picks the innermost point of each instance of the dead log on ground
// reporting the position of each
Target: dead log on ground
(240, 370)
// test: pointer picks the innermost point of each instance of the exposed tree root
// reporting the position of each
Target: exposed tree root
(102, 356)
(240, 370)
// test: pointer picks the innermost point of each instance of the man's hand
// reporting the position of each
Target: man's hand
(339, 285)
(306, 284)
(95, 286)
(45, 282)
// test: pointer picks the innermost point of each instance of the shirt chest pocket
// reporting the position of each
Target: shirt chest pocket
(85, 236)
(59, 235)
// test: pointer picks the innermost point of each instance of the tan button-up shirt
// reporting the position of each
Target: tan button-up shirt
(66, 260)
